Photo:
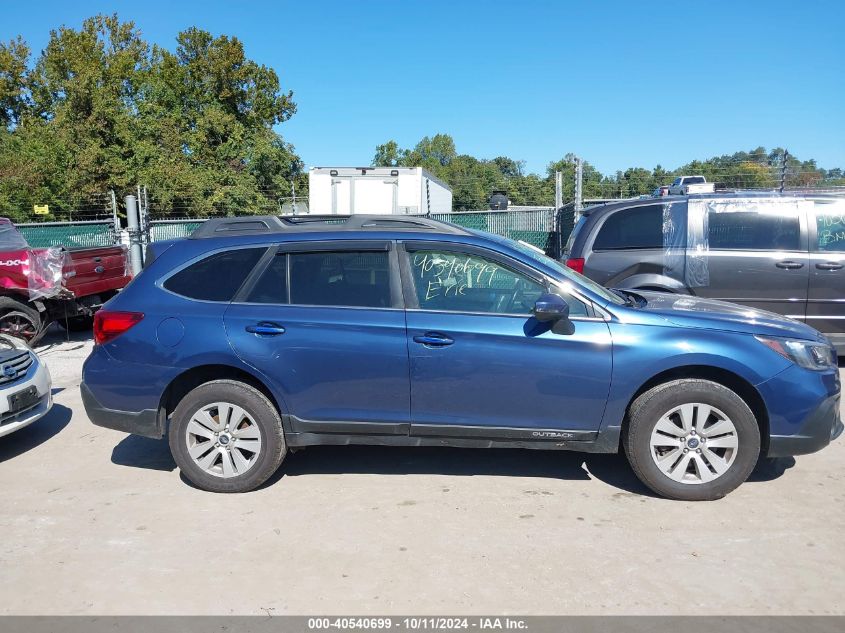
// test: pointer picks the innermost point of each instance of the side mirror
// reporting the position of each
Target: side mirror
(551, 307)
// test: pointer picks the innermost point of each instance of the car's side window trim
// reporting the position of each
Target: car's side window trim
(159, 283)
(287, 249)
(252, 279)
(409, 286)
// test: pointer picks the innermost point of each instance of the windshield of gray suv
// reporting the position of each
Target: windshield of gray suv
(559, 268)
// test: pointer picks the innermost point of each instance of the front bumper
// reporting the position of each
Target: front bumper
(38, 376)
(804, 411)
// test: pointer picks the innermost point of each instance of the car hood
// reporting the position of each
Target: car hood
(696, 312)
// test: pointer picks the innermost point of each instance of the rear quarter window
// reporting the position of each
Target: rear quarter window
(573, 235)
(632, 228)
(216, 277)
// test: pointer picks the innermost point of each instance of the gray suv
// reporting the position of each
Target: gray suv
(779, 252)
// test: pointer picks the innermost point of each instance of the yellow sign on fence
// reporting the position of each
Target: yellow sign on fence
(41, 209)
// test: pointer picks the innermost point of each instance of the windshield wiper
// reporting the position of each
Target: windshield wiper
(627, 298)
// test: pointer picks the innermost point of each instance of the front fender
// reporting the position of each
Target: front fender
(641, 352)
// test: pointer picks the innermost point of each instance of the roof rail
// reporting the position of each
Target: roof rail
(251, 225)
(246, 225)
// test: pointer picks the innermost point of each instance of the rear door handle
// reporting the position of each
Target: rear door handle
(433, 339)
(829, 266)
(265, 328)
(789, 264)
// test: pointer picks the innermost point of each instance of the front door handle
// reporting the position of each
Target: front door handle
(829, 266)
(789, 264)
(265, 328)
(433, 339)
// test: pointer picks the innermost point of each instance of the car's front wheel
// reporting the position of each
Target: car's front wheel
(226, 436)
(691, 439)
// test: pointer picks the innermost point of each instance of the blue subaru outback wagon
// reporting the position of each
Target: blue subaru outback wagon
(259, 334)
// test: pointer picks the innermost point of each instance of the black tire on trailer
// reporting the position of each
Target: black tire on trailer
(226, 436)
(691, 439)
(20, 320)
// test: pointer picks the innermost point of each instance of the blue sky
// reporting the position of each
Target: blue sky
(619, 83)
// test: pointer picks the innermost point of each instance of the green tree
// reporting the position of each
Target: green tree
(13, 81)
(389, 155)
(101, 109)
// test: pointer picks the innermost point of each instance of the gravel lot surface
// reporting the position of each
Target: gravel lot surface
(93, 521)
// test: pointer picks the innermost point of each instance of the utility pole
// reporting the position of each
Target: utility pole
(133, 226)
(115, 219)
(558, 217)
(558, 190)
(783, 162)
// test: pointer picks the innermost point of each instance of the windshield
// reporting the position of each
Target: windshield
(561, 270)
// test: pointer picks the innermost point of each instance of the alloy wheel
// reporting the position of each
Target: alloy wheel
(223, 440)
(694, 443)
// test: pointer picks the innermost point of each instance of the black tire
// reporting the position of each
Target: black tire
(20, 320)
(644, 414)
(257, 406)
(77, 323)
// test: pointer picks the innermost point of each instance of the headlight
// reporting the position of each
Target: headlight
(807, 354)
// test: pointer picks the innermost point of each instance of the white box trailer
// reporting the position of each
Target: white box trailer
(377, 191)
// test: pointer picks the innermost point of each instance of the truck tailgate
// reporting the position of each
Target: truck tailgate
(98, 270)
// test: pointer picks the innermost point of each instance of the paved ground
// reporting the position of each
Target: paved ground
(95, 522)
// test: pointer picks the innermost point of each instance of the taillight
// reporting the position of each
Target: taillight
(576, 264)
(109, 325)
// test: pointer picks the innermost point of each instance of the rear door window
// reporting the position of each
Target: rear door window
(272, 286)
(763, 227)
(340, 278)
(633, 228)
(216, 277)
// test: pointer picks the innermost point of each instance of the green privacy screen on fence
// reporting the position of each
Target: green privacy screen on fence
(535, 226)
(69, 235)
(169, 229)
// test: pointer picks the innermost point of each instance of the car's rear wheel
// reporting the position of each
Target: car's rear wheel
(691, 439)
(226, 436)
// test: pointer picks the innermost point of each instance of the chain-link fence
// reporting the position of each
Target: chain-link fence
(533, 226)
(69, 235)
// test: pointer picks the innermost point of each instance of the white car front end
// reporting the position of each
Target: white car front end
(25, 386)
